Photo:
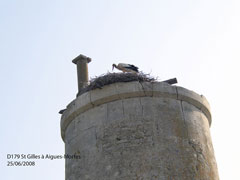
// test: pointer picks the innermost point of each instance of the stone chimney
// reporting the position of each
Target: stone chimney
(82, 71)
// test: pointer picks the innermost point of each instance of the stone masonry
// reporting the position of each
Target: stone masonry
(139, 131)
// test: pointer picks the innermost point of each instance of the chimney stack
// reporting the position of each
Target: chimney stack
(82, 71)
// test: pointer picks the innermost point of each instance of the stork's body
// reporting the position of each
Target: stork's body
(125, 67)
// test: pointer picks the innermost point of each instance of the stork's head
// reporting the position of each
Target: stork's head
(113, 66)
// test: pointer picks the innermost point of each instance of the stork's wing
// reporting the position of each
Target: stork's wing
(127, 66)
(132, 66)
(123, 65)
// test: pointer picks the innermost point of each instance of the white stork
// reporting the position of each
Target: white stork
(125, 67)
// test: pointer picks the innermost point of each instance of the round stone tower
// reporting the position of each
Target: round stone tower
(139, 130)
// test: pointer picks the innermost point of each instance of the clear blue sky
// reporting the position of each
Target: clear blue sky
(196, 41)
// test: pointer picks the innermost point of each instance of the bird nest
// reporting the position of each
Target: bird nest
(110, 78)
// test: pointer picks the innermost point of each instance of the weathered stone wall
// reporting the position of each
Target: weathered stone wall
(150, 131)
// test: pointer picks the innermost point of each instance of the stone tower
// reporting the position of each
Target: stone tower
(147, 131)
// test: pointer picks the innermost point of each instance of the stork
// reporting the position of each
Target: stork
(125, 67)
